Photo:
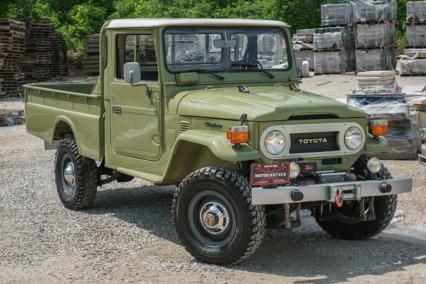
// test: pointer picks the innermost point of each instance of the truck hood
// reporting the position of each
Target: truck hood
(271, 103)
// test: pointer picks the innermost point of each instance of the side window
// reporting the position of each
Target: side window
(137, 48)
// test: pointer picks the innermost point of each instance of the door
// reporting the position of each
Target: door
(135, 113)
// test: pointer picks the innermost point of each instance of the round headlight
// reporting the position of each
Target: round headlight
(274, 142)
(354, 138)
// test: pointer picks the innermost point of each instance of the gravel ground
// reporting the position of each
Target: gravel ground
(128, 236)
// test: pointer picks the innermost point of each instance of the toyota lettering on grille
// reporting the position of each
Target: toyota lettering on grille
(313, 141)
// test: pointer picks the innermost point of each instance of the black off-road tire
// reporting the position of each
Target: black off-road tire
(249, 219)
(86, 176)
(384, 209)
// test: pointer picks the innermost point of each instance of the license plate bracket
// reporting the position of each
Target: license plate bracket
(269, 174)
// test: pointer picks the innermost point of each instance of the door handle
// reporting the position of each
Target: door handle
(116, 110)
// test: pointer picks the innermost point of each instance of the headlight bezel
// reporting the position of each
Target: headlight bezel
(283, 144)
(361, 140)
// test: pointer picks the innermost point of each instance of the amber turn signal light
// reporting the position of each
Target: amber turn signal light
(238, 134)
(379, 128)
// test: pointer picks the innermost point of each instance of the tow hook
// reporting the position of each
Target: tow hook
(339, 198)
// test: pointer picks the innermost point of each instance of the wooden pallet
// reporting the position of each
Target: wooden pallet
(46, 50)
(12, 47)
(90, 59)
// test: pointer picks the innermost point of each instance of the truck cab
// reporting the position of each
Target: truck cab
(213, 106)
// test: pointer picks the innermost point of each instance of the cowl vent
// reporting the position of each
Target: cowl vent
(184, 126)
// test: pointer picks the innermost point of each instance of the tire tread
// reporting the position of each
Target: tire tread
(240, 185)
(86, 175)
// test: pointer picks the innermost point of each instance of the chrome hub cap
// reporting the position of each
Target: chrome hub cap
(69, 178)
(214, 217)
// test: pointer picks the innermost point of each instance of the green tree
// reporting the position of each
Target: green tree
(75, 19)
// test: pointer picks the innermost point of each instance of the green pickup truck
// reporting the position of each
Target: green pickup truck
(214, 107)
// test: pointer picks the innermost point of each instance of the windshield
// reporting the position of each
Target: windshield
(225, 49)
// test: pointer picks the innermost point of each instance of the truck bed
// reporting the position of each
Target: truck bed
(56, 108)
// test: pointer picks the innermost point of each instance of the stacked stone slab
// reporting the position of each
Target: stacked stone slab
(91, 55)
(334, 51)
(303, 41)
(414, 61)
(334, 43)
(403, 135)
(333, 15)
(376, 35)
(12, 47)
(45, 53)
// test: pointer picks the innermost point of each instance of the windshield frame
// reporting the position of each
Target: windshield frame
(232, 30)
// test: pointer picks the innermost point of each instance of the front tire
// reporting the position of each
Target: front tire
(76, 176)
(214, 218)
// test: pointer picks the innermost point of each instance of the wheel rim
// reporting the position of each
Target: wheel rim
(68, 177)
(212, 219)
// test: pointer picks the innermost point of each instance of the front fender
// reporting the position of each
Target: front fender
(219, 145)
(376, 145)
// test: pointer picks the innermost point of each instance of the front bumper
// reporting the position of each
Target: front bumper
(328, 191)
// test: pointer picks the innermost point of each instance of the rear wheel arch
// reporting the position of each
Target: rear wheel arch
(64, 128)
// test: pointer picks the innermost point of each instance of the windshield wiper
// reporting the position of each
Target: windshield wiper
(256, 65)
(205, 71)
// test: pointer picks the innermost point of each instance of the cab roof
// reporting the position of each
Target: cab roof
(154, 23)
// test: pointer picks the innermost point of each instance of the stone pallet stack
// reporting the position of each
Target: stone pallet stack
(45, 53)
(403, 130)
(376, 35)
(304, 50)
(334, 43)
(403, 139)
(12, 47)
(91, 55)
(414, 61)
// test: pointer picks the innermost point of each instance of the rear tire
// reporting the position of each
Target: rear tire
(76, 176)
(384, 209)
(214, 218)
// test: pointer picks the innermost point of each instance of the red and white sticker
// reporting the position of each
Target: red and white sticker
(269, 174)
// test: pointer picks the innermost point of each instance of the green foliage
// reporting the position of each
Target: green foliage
(75, 19)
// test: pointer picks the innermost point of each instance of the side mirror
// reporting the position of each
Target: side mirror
(132, 72)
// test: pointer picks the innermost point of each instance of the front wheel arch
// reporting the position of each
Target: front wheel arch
(189, 157)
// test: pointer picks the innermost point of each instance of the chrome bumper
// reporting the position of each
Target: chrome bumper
(328, 191)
